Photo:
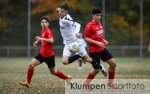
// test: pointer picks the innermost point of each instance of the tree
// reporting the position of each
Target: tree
(10, 16)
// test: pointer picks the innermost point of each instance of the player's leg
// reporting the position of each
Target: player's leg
(82, 52)
(111, 73)
(73, 58)
(93, 73)
(59, 74)
(96, 56)
(34, 62)
(107, 57)
(67, 58)
(80, 63)
(95, 65)
(66, 55)
(50, 61)
(90, 76)
(30, 71)
(83, 60)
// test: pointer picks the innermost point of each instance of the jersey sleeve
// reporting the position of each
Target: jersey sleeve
(49, 34)
(77, 27)
(69, 21)
(87, 31)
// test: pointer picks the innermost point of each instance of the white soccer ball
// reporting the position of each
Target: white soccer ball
(74, 47)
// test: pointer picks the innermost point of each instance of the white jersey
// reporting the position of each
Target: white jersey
(82, 42)
(68, 29)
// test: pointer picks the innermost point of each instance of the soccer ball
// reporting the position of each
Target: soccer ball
(74, 47)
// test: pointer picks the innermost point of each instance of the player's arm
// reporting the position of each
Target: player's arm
(58, 10)
(35, 43)
(89, 40)
(106, 42)
(50, 40)
(77, 30)
(68, 21)
(77, 26)
(87, 37)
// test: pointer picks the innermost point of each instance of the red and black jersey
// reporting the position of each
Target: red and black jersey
(94, 31)
(47, 48)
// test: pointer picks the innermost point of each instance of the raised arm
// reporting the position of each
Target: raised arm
(50, 40)
(77, 26)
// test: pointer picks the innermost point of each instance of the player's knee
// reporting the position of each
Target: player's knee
(65, 63)
(31, 66)
(113, 65)
(53, 72)
(96, 71)
(89, 59)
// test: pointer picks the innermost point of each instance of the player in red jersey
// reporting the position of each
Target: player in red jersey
(46, 54)
(97, 45)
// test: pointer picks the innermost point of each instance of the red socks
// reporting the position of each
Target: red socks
(111, 76)
(61, 75)
(30, 74)
(31, 71)
(88, 79)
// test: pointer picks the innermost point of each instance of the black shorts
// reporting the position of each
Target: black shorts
(102, 55)
(50, 61)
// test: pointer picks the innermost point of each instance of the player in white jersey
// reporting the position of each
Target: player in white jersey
(69, 30)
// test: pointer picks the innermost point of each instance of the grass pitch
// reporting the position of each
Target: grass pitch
(13, 70)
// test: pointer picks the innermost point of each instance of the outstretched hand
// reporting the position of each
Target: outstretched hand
(37, 40)
(106, 42)
(100, 44)
(35, 43)
(58, 9)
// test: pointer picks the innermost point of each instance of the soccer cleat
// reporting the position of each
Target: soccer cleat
(103, 70)
(26, 84)
(112, 85)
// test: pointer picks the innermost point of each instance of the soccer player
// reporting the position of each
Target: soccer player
(69, 29)
(97, 44)
(46, 53)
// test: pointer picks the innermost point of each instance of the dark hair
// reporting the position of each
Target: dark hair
(96, 11)
(64, 6)
(45, 18)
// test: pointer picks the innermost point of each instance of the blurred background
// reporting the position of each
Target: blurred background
(126, 24)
